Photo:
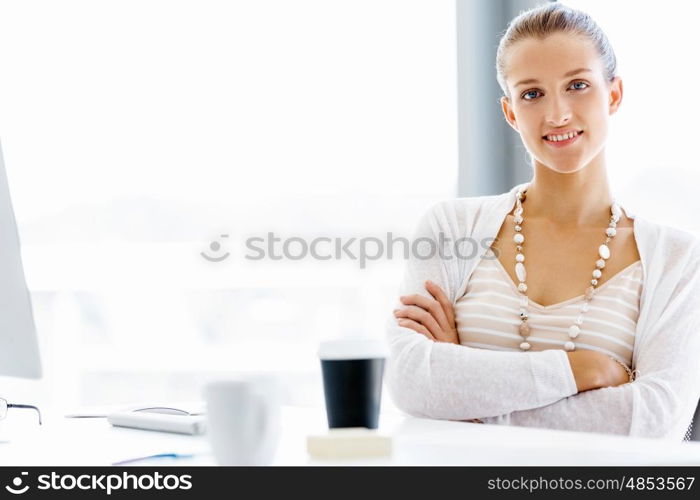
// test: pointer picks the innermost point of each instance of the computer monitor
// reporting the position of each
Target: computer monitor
(19, 349)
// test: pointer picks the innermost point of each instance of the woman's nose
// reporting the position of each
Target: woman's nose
(558, 112)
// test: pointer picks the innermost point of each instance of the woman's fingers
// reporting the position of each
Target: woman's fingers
(430, 305)
(420, 315)
(409, 323)
(442, 299)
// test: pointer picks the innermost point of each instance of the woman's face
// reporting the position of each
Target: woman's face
(549, 96)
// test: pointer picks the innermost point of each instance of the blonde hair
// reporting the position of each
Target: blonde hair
(547, 20)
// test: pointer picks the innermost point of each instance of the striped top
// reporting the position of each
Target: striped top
(487, 315)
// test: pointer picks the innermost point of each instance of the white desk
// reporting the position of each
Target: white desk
(62, 441)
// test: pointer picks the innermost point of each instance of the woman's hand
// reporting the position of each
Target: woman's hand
(616, 374)
(433, 317)
(594, 370)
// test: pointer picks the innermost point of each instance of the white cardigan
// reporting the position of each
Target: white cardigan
(538, 389)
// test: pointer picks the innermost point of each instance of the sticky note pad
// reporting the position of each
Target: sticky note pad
(352, 442)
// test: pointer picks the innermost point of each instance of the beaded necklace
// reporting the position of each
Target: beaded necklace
(519, 239)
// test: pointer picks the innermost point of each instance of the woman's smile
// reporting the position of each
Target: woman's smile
(558, 141)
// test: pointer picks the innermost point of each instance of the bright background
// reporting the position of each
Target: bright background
(135, 133)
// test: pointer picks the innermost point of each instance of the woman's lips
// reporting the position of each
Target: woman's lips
(561, 144)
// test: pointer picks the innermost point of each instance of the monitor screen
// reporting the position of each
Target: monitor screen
(19, 350)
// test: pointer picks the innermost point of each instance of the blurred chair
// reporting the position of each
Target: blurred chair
(693, 434)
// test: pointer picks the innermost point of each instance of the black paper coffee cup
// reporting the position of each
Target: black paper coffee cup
(352, 381)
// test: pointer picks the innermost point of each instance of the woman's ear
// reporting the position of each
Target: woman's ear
(615, 97)
(508, 112)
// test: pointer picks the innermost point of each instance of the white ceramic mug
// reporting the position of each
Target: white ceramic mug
(243, 419)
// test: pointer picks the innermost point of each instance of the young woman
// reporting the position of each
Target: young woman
(576, 314)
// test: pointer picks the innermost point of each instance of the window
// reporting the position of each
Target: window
(138, 133)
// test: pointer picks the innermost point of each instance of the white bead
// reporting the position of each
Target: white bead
(611, 231)
(597, 273)
(594, 282)
(603, 251)
(585, 307)
(615, 210)
(525, 346)
(522, 287)
(600, 264)
(520, 271)
(518, 212)
(518, 238)
(579, 319)
(518, 219)
(524, 330)
(569, 346)
(574, 330)
(518, 228)
(519, 258)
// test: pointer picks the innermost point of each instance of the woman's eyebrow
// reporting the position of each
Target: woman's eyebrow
(566, 75)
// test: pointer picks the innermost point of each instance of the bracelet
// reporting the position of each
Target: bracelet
(632, 374)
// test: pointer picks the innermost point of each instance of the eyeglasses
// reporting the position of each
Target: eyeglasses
(4, 406)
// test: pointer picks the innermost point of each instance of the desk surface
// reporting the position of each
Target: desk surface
(63, 441)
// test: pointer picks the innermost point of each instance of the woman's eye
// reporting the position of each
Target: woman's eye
(532, 94)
